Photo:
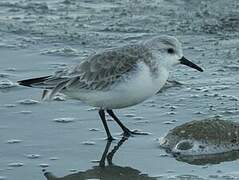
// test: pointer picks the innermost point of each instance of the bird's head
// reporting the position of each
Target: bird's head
(169, 52)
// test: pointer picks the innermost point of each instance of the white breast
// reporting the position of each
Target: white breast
(138, 87)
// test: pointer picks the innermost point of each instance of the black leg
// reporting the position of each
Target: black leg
(102, 116)
(127, 132)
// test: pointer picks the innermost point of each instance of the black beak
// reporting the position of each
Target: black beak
(186, 62)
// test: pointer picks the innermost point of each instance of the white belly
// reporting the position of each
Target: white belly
(136, 89)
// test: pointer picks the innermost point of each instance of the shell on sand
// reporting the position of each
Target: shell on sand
(202, 137)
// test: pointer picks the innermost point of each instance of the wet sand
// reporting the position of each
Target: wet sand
(65, 137)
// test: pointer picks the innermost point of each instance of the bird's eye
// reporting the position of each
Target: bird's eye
(170, 50)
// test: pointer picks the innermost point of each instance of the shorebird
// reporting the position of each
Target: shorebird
(117, 77)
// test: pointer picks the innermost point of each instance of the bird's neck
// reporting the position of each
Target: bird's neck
(162, 76)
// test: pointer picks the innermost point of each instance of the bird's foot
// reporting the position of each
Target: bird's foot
(110, 138)
(128, 133)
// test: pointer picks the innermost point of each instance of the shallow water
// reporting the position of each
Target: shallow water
(63, 137)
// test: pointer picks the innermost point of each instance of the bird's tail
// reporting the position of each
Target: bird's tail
(34, 82)
(50, 85)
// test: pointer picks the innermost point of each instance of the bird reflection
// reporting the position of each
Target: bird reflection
(106, 170)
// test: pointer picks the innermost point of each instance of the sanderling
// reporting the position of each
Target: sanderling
(118, 77)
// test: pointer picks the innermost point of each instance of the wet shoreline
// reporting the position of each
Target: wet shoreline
(40, 37)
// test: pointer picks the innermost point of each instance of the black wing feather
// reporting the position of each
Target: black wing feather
(31, 82)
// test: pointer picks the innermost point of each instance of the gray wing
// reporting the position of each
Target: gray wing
(103, 69)
(99, 71)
